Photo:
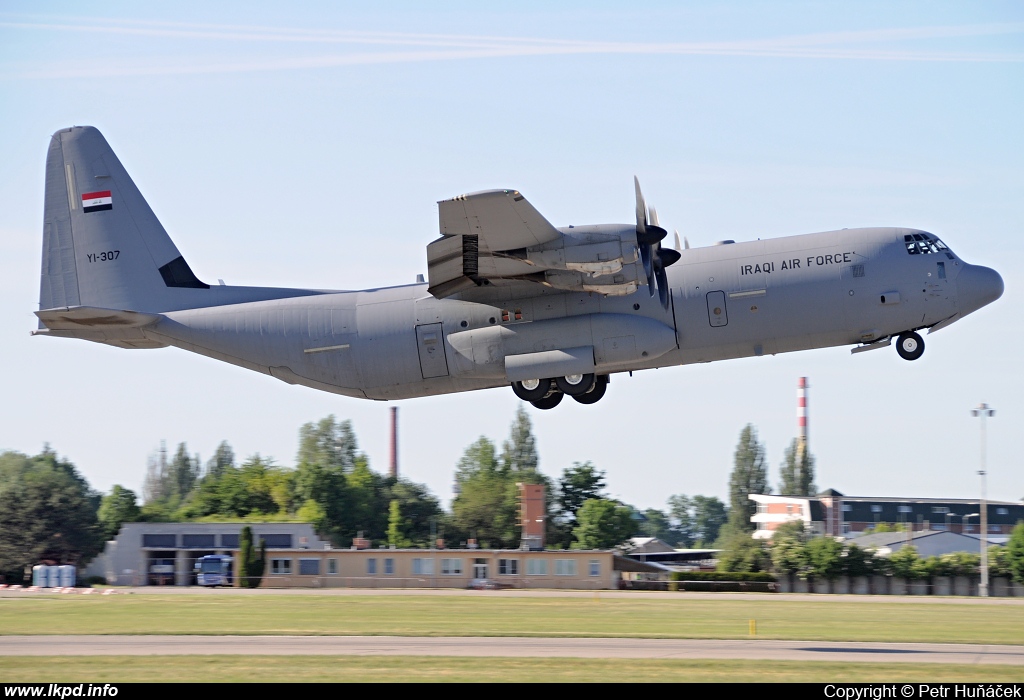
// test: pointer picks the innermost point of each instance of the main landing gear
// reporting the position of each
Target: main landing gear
(548, 393)
(909, 345)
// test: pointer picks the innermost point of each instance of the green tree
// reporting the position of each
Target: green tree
(183, 472)
(329, 443)
(741, 552)
(251, 566)
(519, 451)
(579, 484)
(749, 475)
(116, 508)
(825, 557)
(858, 562)
(602, 524)
(904, 563)
(655, 523)
(47, 512)
(789, 549)
(223, 459)
(397, 526)
(1015, 553)
(797, 471)
(485, 502)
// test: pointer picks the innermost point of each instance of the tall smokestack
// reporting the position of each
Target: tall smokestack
(801, 415)
(393, 470)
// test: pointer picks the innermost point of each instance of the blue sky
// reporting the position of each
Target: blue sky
(307, 146)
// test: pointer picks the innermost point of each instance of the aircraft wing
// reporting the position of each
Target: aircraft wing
(503, 220)
(495, 245)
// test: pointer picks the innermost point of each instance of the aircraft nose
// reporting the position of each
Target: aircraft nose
(976, 287)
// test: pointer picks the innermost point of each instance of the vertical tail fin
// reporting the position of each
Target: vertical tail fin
(102, 244)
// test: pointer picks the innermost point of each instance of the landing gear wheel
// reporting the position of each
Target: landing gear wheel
(532, 389)
(910, 346)
(596, 393)
(575, 384)
(549, 401)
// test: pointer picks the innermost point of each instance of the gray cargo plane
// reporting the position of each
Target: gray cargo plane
(509, 299)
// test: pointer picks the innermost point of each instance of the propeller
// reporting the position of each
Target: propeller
(649, 236)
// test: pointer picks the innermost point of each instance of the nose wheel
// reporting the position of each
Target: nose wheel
(909, 346)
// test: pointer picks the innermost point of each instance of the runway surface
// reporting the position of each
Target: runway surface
(869, 652)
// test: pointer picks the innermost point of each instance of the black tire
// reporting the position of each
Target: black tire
(909, 346)
(596, 393)
(542, 389)
(578, 388)
(548, 401)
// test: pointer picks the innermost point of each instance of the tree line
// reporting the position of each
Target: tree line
(48, 512)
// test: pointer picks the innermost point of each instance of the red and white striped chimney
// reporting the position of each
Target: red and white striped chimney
(801, 413)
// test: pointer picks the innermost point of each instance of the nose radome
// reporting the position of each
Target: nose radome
(976, 287)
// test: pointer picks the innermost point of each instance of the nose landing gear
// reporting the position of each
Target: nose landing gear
(909, 345)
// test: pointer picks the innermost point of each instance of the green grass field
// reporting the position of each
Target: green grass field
(673, 616)
(124, 669)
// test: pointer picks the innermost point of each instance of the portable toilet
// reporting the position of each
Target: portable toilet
(39, 577)
(67, 576)
(52, 577)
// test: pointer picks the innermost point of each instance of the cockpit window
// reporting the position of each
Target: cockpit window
(925, 244)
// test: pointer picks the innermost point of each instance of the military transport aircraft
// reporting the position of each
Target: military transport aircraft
(510, 299)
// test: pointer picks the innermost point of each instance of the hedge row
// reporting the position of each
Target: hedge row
(760, 576)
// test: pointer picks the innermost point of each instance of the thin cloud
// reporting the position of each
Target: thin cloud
(445, 47)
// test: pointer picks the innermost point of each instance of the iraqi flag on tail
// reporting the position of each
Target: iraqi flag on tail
(97, 201)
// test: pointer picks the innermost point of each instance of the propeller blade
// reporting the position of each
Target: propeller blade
(659, 271)
(687, 242)
(647, 259)
(641, 208)
(678, 244)
(653, 215)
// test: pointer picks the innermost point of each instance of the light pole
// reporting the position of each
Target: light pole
(983, 411)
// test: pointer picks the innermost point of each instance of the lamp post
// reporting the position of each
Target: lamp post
(983, 411)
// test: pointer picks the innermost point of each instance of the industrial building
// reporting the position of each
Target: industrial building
(151, 554)
(832, 513)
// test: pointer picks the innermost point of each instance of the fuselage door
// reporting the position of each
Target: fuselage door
(717, 314)
(430, 341)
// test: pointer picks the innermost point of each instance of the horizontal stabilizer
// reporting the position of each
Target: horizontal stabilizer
(90, 318)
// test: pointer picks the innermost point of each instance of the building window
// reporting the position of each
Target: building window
(422, 567)
(595, 567)
(940, 509)
(389, 566)
(789, 509)
(847, 507)
(451, 567)
(536, 567)
(846, 528)
(309, 567)
(995, 528)
(280, 566)
(938, 526)
(332, 566)
(1002, 511)
(565, 567)
(508, 567)
(371, 567)
(876, 509)
(762, 507)
(906, 509)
